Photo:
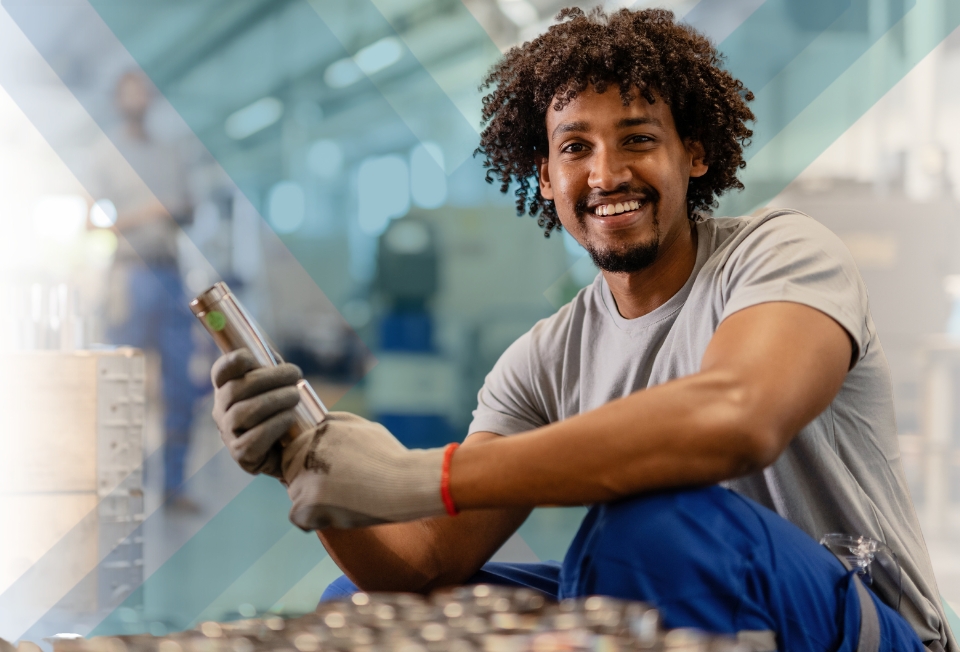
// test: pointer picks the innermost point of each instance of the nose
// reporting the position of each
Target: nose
(608, 170)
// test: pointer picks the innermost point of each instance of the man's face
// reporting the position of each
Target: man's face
(618, 176)
(133, 96)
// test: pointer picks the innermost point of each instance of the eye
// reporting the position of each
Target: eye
(639, 140)
(573, 148)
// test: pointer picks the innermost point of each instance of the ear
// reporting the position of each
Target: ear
(543, 178)
(698, 166)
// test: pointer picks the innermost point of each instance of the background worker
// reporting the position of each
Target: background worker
(146, 302)
(737, 351)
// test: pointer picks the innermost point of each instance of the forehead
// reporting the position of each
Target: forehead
(593, 111)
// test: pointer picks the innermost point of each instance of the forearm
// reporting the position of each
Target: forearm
(419, 556)
(391, 557)
(691, 431)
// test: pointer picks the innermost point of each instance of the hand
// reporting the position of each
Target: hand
(349, 472)
(253, 409)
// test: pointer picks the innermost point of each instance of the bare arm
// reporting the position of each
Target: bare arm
(767, 372)
(421, 555)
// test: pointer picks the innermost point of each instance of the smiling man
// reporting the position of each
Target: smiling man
(718, 395)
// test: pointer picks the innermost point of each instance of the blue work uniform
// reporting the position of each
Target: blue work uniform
(710, 559)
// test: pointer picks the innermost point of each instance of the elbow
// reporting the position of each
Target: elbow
(763, 446)
(757, 441)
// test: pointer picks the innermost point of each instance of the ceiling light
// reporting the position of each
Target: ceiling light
(342, 73)
(379, 55)
(253, 118)
(373, 58)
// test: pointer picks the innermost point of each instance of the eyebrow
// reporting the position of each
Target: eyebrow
(567, 127)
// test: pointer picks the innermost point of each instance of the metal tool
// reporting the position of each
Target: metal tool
(232, 328)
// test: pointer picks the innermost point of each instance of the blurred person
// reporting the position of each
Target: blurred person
(146, 303)
(718, 395)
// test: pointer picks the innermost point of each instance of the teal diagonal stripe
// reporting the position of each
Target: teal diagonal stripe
(776, 163)
(209, 563)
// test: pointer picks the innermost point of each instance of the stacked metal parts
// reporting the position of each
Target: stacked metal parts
(464, 619)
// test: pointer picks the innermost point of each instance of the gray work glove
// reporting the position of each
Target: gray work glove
(350, 472)
(253, 408)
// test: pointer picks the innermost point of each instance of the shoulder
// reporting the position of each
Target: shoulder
(775, 233)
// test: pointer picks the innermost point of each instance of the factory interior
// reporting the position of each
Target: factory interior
(319, 158)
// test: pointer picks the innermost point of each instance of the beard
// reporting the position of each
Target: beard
(632, 257)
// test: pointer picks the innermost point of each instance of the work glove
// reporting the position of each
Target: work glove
(349, 472)
(253, 409)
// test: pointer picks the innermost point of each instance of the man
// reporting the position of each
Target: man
(146, 303)
(737, 351)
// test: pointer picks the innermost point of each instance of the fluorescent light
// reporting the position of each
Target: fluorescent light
(342, 73)
(379, 55)
(373, 58)
(253, 118)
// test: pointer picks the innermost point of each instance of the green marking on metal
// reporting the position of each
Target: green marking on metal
(216, 320)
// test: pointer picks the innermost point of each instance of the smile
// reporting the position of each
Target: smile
(617, 208)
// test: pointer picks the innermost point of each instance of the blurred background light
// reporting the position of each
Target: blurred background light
(377, 56)
(253, 118)
(342, 73)
(373, 58)
(60, 217)
(286, 206)
(103, 214)
(520, 12)
(428, 182)
(325, 159)
(383, 184)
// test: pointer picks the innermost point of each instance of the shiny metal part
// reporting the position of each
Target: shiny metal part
(232, 328)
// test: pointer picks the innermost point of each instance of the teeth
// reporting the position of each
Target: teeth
(613, 209)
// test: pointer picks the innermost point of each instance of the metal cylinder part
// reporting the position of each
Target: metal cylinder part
(232, 328)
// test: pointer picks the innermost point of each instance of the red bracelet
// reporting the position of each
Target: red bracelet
(445, 479)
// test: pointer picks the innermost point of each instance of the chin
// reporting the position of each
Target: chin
(625, 259)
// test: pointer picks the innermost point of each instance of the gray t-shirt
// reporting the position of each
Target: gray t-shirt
(841, 473)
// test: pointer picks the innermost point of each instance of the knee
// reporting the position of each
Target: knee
(647, 543)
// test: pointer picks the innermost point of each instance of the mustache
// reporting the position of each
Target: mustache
(648, 194)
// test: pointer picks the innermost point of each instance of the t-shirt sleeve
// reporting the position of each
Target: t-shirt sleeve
(792, 257)
(507, 404)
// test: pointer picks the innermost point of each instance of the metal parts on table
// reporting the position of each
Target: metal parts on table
(463, 619)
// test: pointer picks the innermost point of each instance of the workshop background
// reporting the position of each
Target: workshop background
(317, 155)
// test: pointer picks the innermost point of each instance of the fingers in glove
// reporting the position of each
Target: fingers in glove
(254, 449)
(244, 415)
(232, 365)
(258, 381)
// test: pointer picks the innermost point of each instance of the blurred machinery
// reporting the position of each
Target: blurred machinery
(413, 387)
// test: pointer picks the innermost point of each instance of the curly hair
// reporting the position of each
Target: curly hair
(644, 51)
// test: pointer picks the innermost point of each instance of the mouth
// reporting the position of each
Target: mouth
(620, 214)
(618, 208)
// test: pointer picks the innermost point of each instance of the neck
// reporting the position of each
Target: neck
(640, 293)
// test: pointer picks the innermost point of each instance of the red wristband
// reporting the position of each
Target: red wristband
(445, 479)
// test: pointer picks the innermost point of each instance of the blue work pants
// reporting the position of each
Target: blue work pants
(709, 559)
(156, 317)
